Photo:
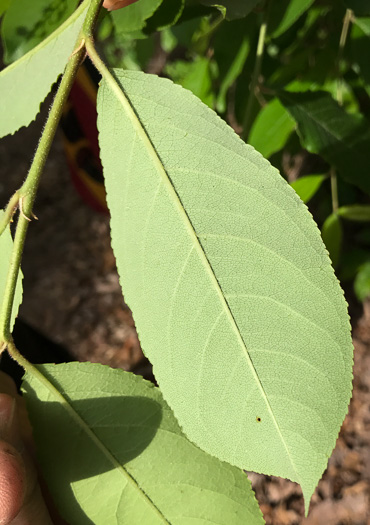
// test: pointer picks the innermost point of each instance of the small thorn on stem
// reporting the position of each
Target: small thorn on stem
(21, 209)
(82, 44)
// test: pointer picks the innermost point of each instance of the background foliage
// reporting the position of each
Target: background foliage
(292, 78)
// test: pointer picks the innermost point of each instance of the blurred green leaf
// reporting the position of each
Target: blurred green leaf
(133, 17)
(351, 262)
(284, 13)
(332, 236)
(325, 128)
(234, 8)
(4, 4)
(361, 283)
(195, 76)
(230, 58)
(271, 129)
(307, 186)
(360, 44)
(166, 15)
(356, 212)
(364, 24)
(25, 83)
(26, 24)
(359, 7)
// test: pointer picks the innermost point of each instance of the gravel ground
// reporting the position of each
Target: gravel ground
(72, 295)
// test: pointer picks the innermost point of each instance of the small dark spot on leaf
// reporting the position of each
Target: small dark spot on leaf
(258, 419)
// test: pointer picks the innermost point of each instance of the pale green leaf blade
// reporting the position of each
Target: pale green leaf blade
(112, 452)
(6, 247)
(307, 186)
(25, 83)
(232, 291)
(343, 139)
(26, 24)
(271, 129)
(364, 24)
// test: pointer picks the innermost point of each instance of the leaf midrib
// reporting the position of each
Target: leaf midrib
(37, 373)
(158, 164)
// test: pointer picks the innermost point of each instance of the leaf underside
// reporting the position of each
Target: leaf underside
(112, 452)
(25, 83)
(233, 294)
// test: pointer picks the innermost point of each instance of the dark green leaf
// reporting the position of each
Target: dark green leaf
(26, 24)
(332, 236)
(230, 58)
(326, 128)
(234, 8)
(307, 186)
(166, 15)
(360, 43)
(284, 13)
(350, 263)
(359, 7)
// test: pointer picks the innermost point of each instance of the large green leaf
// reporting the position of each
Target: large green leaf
(112, 452)
(26, 24)
(25, 83)
(284, 13)
(233, 294)
(327, 129)
(271, 129)
(6, 247)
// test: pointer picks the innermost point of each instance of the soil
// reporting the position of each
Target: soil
(72, 295)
